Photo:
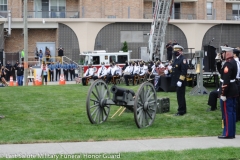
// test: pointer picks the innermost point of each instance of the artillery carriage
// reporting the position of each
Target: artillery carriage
(143, 104)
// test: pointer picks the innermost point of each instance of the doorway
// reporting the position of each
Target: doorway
(50, 46)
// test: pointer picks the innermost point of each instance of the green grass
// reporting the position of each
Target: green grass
(58, 114)
(227, 153)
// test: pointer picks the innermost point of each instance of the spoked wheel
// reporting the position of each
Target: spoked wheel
(97, 110)
(145, 105)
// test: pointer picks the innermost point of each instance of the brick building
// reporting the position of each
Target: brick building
(86, 25)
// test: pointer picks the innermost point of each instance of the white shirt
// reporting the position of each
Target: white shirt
(129, 69)
(142, 71)
(238, 64)
(102, 71)
(145, 68)
(89, 72)
(118, 70)
(111, 70)
(136, 69)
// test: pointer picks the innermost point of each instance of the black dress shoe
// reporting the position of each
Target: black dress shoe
(225, 137)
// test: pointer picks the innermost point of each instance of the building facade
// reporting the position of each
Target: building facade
(87, 25)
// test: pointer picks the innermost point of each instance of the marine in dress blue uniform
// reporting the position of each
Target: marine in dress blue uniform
(228, 93)
(179, 72)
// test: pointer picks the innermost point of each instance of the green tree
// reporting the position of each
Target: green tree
(125, 47)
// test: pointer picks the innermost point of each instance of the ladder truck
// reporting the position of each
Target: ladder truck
(161, 17)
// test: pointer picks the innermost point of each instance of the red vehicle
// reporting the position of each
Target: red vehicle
(97, 57)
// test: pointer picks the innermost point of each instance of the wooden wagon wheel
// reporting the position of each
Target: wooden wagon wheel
(145, 105)
(97, 110)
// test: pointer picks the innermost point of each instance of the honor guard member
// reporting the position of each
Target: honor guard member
(179, 72)
(236, 58)
(88, 74)
(51, 68)
(142, 70)
(58, 67)
(117, 73)
(65, 70)
(136, 70)
(102, 72)
(228, 93)
(72, 68)
(127, 73)
(133, 71)
(118, 70)
(110, 72)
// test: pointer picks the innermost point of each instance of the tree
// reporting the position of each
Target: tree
(125, 47)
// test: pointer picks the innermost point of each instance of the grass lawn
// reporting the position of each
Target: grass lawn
(58, 114)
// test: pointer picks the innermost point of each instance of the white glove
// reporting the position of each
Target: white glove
(223, 98)
(179, 84)
(166, 71)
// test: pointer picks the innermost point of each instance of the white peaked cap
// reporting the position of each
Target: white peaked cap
(227, 49)
(178, 47)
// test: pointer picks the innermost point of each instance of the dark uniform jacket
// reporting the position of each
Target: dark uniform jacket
(179, 70)
(228, 74)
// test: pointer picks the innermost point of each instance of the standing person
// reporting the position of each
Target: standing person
(175, 43)
(60, 53)
(169, 48)
(8, 70)
(228, 93)
(65, 71)
(20, 71)
(51, 68)
(179, 72)
(58, 70)
(30, 75)
(36, 54)
(22, 55)
(15, 68)
(72, 68)
(40, 55)
(44, 68)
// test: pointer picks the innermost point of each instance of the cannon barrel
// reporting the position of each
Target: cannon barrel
(118, 91)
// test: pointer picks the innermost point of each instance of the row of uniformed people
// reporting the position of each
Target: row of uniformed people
(134, 69)
(67, 68)
(114, 70)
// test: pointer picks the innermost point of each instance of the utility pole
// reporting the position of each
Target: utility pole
(25, 31)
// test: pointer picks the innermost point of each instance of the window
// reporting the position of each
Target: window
(209, 8)
(112, 59)
(153, 6)
(122, 58)
(50, 8)
(236, 9)
(96, 60)
(3, 5)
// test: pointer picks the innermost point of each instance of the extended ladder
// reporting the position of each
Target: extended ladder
(161, 17)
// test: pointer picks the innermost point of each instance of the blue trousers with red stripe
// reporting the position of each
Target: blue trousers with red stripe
(228, 108)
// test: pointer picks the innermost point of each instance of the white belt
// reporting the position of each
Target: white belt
(233, 80)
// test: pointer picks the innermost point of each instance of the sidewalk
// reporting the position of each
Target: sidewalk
(118, 146)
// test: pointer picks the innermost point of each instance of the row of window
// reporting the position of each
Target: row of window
(176, 9)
